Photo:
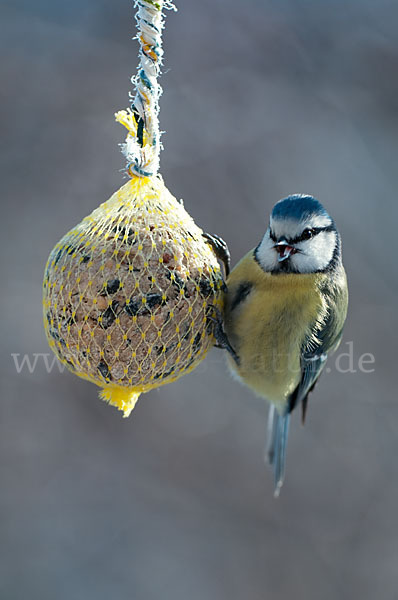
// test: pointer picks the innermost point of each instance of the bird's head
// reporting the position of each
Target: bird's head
(301, 238)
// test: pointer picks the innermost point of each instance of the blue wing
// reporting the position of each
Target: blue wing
(312, 365)
(314, 354)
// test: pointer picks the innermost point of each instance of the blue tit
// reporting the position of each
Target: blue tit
(285, 308)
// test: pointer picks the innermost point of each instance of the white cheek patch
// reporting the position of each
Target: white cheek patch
(266, 255)
(315, 254)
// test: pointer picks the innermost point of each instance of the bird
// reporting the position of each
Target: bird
(284, 310)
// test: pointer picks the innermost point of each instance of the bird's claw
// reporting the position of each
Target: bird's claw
(220, 335)
(220, 249)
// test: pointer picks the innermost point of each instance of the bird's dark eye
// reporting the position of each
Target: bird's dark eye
(272, 236)
(308, 233)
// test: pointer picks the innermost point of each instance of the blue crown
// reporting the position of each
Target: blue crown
(298, 207)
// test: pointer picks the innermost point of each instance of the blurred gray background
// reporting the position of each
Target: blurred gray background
(262, 98)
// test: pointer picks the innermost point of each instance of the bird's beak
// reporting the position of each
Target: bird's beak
(284, 250)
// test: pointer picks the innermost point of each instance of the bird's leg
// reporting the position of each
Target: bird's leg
(220, 335)
(220, 249)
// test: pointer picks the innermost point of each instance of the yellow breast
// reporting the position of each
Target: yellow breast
(267, 329)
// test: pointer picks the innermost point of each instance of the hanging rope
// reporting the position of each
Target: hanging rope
(142, 146)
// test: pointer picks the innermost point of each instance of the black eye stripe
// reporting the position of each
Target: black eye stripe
(314, 231)
(304, 236)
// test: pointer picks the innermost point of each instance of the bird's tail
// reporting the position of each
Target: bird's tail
(278, 431)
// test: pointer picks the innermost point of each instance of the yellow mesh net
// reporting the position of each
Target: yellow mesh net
(130, 292)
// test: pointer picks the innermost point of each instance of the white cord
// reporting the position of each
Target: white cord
(142, 146)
